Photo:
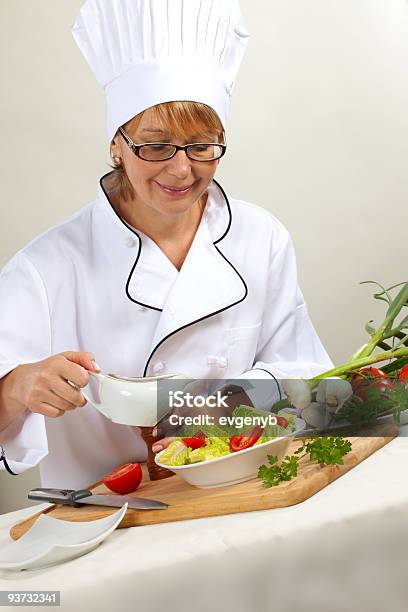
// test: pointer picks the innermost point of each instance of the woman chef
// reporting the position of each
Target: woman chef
(163, 272)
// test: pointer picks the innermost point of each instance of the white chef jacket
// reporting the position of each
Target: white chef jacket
(94, 283)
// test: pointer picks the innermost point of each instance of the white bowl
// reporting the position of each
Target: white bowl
(235, 467)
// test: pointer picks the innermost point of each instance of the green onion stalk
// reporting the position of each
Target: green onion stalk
(397, 353)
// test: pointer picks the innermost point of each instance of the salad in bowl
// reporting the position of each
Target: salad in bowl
(214, 456)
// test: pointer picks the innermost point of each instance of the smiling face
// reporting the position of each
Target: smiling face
(173, 186)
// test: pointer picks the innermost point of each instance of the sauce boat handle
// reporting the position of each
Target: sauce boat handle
(88, 399)
(97, 374)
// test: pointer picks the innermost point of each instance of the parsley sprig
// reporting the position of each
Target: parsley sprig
(324, 450)
(276, 474)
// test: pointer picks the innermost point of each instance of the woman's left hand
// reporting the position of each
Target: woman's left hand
(161, 444)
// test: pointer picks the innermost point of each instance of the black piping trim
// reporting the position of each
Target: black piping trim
(6, 465)
(160, 309)
(274, 378)
(229, 212)
(218, 311)
(140, 240)
(138, 254)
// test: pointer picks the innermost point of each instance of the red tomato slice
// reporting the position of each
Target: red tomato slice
(238, 443)
(281, 421)
(403, 374)
(124, 479)
(194, 442)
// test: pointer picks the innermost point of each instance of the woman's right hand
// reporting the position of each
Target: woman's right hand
(43, 386)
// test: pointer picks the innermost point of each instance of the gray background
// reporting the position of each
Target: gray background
(325, 82)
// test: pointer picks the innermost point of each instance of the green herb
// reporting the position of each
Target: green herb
(388, 329)
(398, 398)
(375, 404)
(324, 450)
(358, 411)
(276, 474)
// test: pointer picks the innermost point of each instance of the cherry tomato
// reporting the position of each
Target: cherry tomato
(375, 372)
(281, 421)
(124, 479)
(403, 374)
(365, 374)
(370, 377)
(238, 443)
(383, 384)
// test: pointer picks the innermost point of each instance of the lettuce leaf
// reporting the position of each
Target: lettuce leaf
(175, 454)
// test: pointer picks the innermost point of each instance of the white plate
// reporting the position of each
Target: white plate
(51, 541)
(235, 467)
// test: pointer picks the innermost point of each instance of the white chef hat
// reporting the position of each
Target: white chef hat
(146, 52)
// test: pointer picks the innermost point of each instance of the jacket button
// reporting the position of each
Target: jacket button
(222, 362)
(158, 367)
(130, 242)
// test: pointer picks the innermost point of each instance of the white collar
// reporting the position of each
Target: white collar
(217, 211)
(207, 283)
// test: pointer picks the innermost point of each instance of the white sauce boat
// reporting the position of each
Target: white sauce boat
(131, 401)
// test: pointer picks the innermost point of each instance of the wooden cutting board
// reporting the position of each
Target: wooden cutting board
(188, 502)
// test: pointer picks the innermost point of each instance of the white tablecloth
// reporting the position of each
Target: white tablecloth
(345, 548)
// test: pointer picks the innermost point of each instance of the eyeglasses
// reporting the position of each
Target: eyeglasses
(155, 151)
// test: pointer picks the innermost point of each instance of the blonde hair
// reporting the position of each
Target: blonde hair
(181, 118)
